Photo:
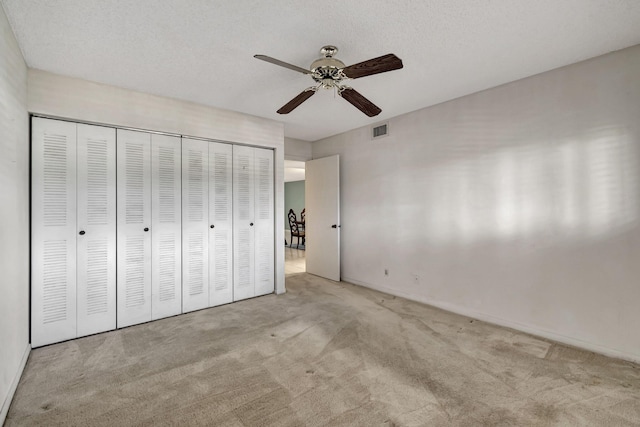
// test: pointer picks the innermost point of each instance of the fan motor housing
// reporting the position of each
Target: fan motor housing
(327, 68)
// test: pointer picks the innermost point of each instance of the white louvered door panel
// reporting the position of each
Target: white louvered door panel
(264, 222)
(53, 232)
(243, 223)
(96, 239)
(134, 217)
(221, 224)
(195, 219)
(166, 226)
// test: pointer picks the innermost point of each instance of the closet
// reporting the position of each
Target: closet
(149, 227)
(206, 227)
(253, 221)
(132, 226)
(73, 246)
(228, 223)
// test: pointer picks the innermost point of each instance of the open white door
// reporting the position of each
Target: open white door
(322, 228)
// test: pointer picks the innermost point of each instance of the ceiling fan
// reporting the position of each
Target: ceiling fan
(330, 73)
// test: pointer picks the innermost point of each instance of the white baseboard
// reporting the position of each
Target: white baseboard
(14, 385)
(464, 311)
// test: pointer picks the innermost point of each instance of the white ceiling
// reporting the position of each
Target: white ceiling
(202, 50)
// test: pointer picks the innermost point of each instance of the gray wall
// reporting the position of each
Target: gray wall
(293, 199)
(519, 205)
(297, 149)
(14, 214)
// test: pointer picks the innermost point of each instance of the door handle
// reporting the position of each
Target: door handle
(146, 229)
(212, 226)
(251, 224)
(81, 232)
(334, 226)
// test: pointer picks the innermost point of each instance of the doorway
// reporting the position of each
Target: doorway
(321, 250)
(294, 200)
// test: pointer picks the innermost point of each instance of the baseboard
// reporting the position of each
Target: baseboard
(14, 385)
(464, 311)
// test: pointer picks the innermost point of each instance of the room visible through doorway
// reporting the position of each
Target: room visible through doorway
(294, 201)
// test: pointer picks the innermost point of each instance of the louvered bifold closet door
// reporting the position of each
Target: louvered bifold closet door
(264, 222)
(220, 224)
(243, 223)
(134, 223)
(53, 232)
(96, 239)
(166, 226)
(195, 224)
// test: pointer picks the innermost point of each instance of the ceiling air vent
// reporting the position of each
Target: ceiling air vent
(380, 131)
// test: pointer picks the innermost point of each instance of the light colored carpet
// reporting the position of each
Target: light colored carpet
(323, 354)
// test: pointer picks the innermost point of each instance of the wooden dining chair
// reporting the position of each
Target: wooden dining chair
(295, 229)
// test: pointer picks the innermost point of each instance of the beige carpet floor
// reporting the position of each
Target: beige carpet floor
(324, 353)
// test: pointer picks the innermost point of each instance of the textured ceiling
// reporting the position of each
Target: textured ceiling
(202, 50)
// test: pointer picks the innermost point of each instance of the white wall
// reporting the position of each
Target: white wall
(14, 215)
(519, 205)
(72, 98)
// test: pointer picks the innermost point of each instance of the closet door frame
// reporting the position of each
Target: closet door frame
(117, 292)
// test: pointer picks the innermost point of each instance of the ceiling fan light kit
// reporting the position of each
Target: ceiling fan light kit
(329, 73)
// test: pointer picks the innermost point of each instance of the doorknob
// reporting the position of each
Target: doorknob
(81, 232)
(334, 226)
(146, 229)
(212, 226)
(251, 224)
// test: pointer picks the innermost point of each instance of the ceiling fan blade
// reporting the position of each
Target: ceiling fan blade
(381, 64)
(295, 102)
(360, 102)
(282, 64)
